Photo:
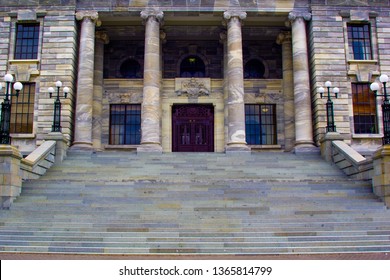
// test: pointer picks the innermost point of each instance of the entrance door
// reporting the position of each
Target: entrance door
(193, 128)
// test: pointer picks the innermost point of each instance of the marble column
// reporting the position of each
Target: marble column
(235, 74)
(223, 41)
(101, 40)
(284, 39)
(84, 100)
(151, 105)
(302, 100)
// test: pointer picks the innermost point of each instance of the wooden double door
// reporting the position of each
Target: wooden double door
(193, 128)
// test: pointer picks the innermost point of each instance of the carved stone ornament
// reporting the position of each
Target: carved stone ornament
(193, 88)
(92, 15)
(229, 14)
(296, 15)
(159, 15)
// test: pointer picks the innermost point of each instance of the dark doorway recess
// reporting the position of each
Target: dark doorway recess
(193, 128)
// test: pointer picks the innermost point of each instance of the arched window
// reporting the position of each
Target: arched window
(192, 66)
(254, 69)
(131, 69)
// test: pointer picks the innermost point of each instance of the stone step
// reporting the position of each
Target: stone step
(125, 203)
(195, 250)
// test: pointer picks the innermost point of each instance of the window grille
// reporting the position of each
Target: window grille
(22, 110)
(260, 124)
(27, 41)
(359, 40)
(364, 109)
(125, 124)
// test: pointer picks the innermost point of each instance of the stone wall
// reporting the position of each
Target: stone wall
(57, 60)
(331, 60)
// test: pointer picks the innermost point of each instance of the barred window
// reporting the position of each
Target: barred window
(359, 40)
(364, 109)
(260, 124)
(22, 110)
(27, 41)
(125, 124)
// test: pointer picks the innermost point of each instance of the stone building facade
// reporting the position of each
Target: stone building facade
(195, 75)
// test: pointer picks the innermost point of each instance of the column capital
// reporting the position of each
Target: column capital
(284, 36)
(292, 16)
(157, 14)
(103, 36)
(91, 15)
(227, 15)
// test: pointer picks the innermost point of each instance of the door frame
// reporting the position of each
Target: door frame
(191, 120)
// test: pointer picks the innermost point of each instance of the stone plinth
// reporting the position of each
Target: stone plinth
(61, 145)
(326, 144)
(381, 178)
(10, 179)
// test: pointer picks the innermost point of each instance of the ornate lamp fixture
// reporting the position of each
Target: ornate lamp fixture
(56, 127)
(6, 107)
(385, 107)
(330, 127)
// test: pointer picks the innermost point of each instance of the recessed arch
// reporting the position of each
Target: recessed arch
(254, 69)
(130, 69)
(192, 66)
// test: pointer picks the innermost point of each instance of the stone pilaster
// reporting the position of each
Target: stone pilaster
(284, 39)
(302, 100)
(151, 108)
(235, 74)
(101, 40)
(84, 100)
(10, 178)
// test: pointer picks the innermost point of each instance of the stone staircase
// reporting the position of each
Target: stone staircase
(187, 203)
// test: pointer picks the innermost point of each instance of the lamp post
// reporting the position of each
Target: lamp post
(6, 107)
(56, 127)
(385, 107)
(330, 127)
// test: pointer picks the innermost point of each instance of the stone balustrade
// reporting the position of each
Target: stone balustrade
(14, 169)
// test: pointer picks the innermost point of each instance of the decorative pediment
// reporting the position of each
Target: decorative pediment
(363, 70)
(192, 87)
(24, 69)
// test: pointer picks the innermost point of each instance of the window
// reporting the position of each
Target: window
(131, 69)
(27, 40)
(260, 124)
(22, 110)
(359, 40)
(254, 69)
(192, 66)
(364, 109)
(125, 124)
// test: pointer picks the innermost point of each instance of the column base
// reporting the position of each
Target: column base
(82, 146)
(306, 148)
(150, 148)
(235, 148)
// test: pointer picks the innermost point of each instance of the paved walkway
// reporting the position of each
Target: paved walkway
(355, 256)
